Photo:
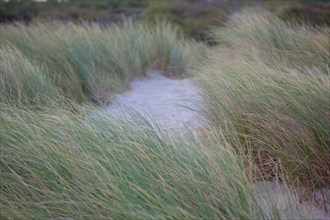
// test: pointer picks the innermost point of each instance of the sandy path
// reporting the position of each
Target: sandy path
(163, 100)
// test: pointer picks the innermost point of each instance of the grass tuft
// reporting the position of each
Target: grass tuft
(63, 165)
(22, 81)
(290, 44)
(269, 94)
(88, 60)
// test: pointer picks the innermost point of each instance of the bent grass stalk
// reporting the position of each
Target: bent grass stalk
(58, 164)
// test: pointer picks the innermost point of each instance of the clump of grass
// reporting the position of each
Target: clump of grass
(23, 82)
(56, 164)
(269, 93)
(277, 113)
(284, 43)
(46, 45)
(90, 60)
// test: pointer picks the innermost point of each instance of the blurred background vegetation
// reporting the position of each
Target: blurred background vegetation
(192, 17)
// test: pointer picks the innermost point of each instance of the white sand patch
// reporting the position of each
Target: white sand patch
(163, 100)
(288, 204)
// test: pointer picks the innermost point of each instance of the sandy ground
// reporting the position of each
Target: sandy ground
(288, 203)
(163, 100)
(170, 102)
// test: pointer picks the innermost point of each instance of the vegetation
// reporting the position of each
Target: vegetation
(86, 164)
(69, 10)
(90, 60)
(311, 12)
(23, 82)
(193, 17)
(266, 101)
(271, 94)
(282, 43)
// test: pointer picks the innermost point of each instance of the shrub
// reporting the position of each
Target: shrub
(194, 19)
(315, 13)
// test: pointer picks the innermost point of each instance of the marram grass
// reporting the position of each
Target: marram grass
(82, 165)
(268, 92)
(24, 82)
(266, 98)
(94, 61)
(281, 43)
(278, 113)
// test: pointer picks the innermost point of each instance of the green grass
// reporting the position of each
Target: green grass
(23, 82)
(283, 43)
(269, 94)
(59, 164)
(283, 113)
(266, 101)
(94, 61)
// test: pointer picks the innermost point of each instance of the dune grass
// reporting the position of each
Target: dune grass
(266, 98)
(59, 164)
(23, 82)
(290, 44)
(269, 94)
(285, 114)
(91, 61)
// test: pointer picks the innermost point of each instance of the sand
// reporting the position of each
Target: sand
(288, 204)
(162, 100)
